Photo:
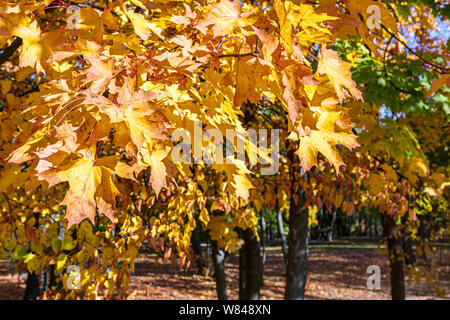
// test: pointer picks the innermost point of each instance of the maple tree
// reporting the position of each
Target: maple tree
(92, 98)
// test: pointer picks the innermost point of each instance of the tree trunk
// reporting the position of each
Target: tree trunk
(263, 239)
(197, 248)
(242, 270)
(297, 267)
(331, 227)
(410, 258)
(32, 290)
(396, 259)
(281, 231)
(251, 263)
(408, 251)
(53, 283)
(219, 271)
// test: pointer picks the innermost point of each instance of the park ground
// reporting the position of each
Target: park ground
(338, 270)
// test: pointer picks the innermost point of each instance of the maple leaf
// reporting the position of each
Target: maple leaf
(305, 16)
(11, 175)
(185, 19)
(34, 47)
(294, 78)
(324, 142)
(66, 134)
(90, 185)
(177, 62)
(100, 73)
(225, 17)
(339, 74)
(135, 108)
(270, 42)
(239, 184)
(386, 16)
(143, 27)
(158, 169)
(23, 153)
(284, 25)
(250, 81)
(436, 84)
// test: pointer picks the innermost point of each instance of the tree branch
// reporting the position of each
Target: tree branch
(237, 55)
(441, 69)
(385, 71)
(9, 51)
(241, 55)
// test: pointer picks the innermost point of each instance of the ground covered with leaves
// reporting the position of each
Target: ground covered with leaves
(337, 271)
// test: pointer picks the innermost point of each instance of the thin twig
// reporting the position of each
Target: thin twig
(385, 71)
(415, 53)
(237, 55)
(255, 53)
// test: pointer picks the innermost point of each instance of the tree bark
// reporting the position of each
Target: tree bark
(9, 51)
(219, 271)
(242, 270)
(331, 227)
(32, 290)
(250, 267)
(396, 259)
(281, 231)
(410, 258)
(297, 267)
(263, 239)
(197, 248)
(253, 265)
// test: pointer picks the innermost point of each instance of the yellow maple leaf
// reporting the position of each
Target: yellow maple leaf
(33, 45)
(284, 25)
(143, 27)
(324, 142)
(90, 185)
(225, 17)
(339, 74)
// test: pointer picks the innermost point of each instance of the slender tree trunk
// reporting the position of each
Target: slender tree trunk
(53, 283)
(281, 231)
(32, 290)
(396, 259)
(219, 271)
(242, 270)
(253, 270)
(297, 267)
(410, 258)
(408, 251)
(331, 227)
(263, 239)
(197, 248)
